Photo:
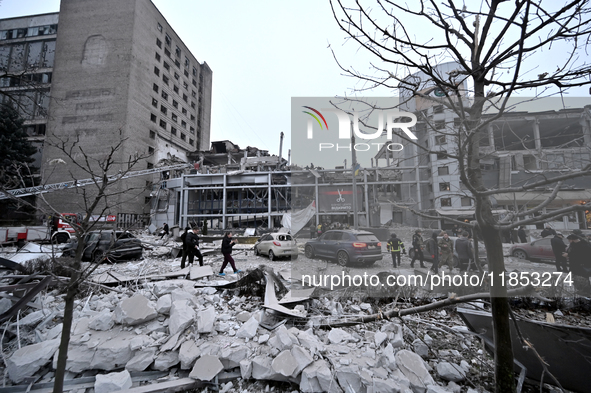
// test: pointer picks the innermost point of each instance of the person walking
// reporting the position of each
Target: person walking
(446, 248)
(185, 248)
(227, 244)
(432, 248)
(395, 246)
(559, 248)
(417, 245)
(164, 231)
(465, 251)
(193, 246)
(521, 234)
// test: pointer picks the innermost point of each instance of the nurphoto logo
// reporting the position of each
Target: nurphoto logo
(392, 122)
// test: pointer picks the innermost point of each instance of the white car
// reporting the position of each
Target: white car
(276, 245)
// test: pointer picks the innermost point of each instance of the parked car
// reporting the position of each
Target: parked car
(276, 245)
(110, 244)
(456, 261)
(537, 250)
(346, 246)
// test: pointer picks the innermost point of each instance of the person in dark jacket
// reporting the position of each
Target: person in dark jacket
(395, 246)
(464, 250)
(227, 244)
(417, 245)
(192, 240)
(522, 235)
(432, 248)
(548, 231)
(579, 259)
(559, 248)
(164, 231)
(185, 248)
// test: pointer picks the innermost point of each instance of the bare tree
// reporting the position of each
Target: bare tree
(97, 200)
(499, 49)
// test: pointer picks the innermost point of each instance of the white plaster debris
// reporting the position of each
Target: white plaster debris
(134, 311)
(206, 368)
(26, 361)
(179, 324)
(112, 382)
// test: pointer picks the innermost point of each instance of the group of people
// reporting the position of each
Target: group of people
(190, 239)
(441, 250)
(578, 253)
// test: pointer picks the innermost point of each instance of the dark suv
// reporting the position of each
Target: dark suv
(99, 245)
(346, 246)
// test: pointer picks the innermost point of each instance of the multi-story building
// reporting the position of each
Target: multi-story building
(516, 149)
(105, 72)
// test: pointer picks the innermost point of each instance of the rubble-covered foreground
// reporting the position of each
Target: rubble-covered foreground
(192, 334)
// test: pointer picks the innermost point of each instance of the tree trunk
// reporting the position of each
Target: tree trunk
(503, 351)
(58, 385)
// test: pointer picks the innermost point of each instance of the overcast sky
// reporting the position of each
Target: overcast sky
(262, 53)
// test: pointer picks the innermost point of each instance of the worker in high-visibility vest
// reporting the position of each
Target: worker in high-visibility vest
(395, 246)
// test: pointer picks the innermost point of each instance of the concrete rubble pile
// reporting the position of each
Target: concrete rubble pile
(173, 325)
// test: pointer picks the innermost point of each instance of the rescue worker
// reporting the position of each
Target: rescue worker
(446, 248)
(465, 251)
(395, 246)
(417, 245)
(432, 248)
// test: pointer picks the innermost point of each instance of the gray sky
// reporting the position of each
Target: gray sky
(261, 54)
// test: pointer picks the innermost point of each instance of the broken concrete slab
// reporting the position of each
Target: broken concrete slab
(282, 339)
(284, 363)
(163, 304)
(112, 349)
(198, 272)
(181, 316)
(26, 361)
(420, 348)
(232, 356)
(134, 311)
(112, 382)
(102, 321)
(206, 320)
(262, 369)
(248, 329)
(141, 360)
(303, 359)
(206, 368)
(450, 372)
(188, 353)
(379, 338)
(350, 379)
(337, 335)
(245, 369)
(385, 386)
(166, 360)
(243, 316)
(414, 369)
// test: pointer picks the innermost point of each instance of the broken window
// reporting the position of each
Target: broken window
(176, 89)
(186, 73)
(166, 66)
(440, 139)
(438, 109)
(440, 124)
(153, 117)
(159, 27)
(176, 76)
(165, 79)
(173, 130)
(164, 95)
(167, 40)
(162, 124)
(177, 51)
(184, 124)
(194, 71)
(163, 109)
(152, 134)
(154, 102)
(158, 43)
(183, 136)
(174, 117)
(444, 186)
(156, 71)
(191, 142)
(184, 111)
(442, 155)
(175, 104)
(445, 202)
(157, 56)
(443, 170)
(155, 87)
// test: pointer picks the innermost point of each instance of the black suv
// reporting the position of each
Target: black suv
(346, 246)
(99, 245)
